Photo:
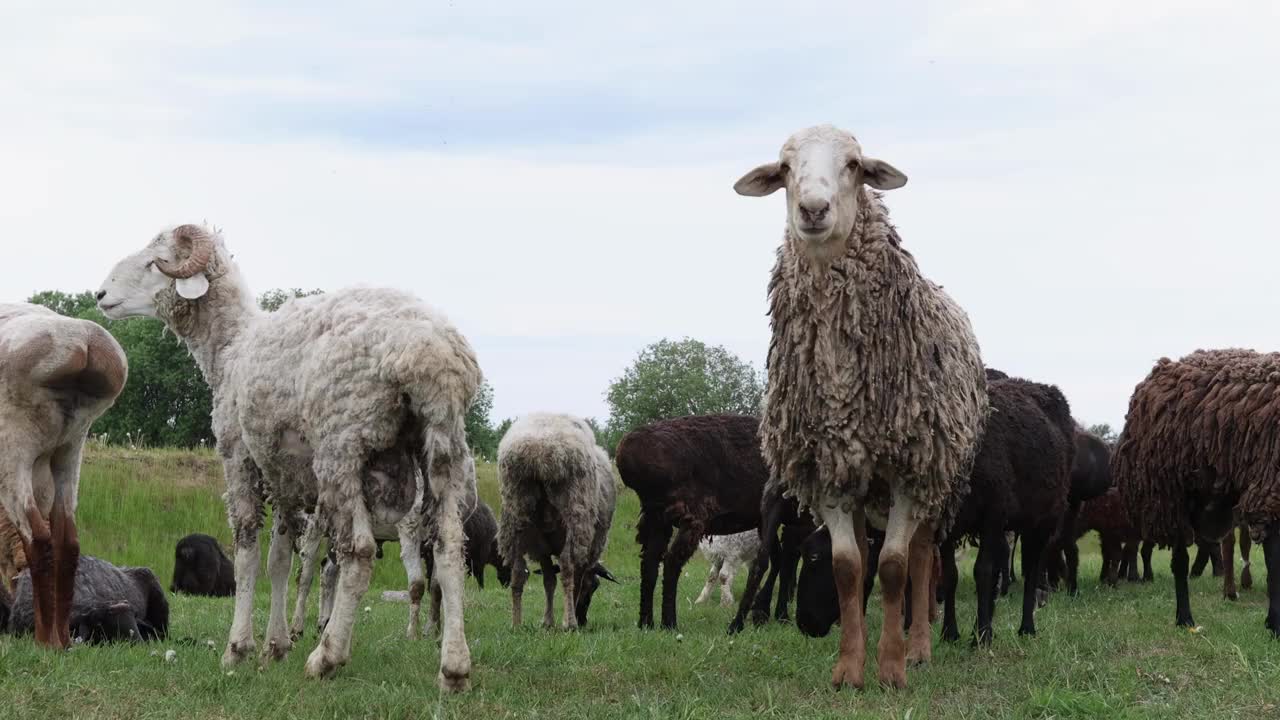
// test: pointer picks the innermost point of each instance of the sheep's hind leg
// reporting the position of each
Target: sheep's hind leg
(726, 584)
(1178, 564)
(519, 574)
(568, 582)
(846, 565)
(37, 543)
(682, 548)
(277, 644)
(448, 482)
(1271, 555)
(1228, 551)
(652, 532)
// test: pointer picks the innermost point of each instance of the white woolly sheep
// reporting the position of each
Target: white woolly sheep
(57, 375)
(726, 553)
(558, 497)
(333, 403)
(876, 395)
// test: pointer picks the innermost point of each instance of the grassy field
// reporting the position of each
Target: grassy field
(1107, 653)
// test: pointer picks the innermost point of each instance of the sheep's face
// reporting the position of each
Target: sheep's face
(823, 170)
(135, 285)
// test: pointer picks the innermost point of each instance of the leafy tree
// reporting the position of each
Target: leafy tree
(677, 378)
(1104, 431)
(481, 436)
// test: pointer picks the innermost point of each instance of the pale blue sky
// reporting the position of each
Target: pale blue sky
(1094, 181)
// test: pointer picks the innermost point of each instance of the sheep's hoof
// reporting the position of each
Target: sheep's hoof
(456, 679)
(950, 633)
(1233, 595)
(847, 674)
(893, 675)
(919, 656)
(276, 651)
(1027, 631)
(237, 653)
(320, 665)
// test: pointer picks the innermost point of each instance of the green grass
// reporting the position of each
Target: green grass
(1106, 653)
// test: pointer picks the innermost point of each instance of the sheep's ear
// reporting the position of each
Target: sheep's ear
(194, 287)
(881, 175)
(603, 572)
(764, 180)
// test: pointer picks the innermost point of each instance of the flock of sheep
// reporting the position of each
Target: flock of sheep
(884, 443)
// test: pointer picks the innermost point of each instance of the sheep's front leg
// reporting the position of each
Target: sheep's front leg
(277, 643)
(455, 656)
(65, 469)
(549, 589)
(568, 580)
(923, 590)
(713, 576)
(891, 655)
(847, 564)
(244, 510)
(411, 557)
(355, 566)
(308, 552)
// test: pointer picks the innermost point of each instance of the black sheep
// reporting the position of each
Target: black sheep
(779, 556)
(481, 530)
(1021, 481)
(1090, 478)
(702, 474)
(111, 603)
(200, 567)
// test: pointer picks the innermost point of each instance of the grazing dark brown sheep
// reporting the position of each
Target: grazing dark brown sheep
(1117, 536)
(1020, 481)
(703, 475)
(1090, 478)
(778, 555)
(1201, 443)
(200, 567)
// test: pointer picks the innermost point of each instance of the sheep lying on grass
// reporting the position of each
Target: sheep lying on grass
(558, 497)
(111, 604)
(201, 568)
(330, 403)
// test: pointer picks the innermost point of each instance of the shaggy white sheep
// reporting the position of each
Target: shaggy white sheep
(558, 496)
(726, 553)
(57, 375)
(332, 403)
(876, 395)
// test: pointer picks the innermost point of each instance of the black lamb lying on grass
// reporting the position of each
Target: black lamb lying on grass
(200, 567)
(111, 604)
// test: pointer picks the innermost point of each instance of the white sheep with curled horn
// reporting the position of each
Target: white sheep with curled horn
(332, 402)
(876, 397)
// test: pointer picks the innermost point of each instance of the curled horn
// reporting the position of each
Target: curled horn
(200, 252)
(603, 572)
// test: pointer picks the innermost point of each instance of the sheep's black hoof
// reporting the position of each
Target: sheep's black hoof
(735, 626)
(981, 639)
(950, 633)
(645, 624)
(1233, 595)
(759, 617)
(1027, 631)
(1185, 621)
(1273, 624)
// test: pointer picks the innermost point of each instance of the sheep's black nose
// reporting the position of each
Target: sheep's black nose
(101, 294)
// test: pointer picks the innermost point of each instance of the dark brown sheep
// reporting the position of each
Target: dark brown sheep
(1020, 481)
(1117, 537)
(1201, 443)
(702, 474)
